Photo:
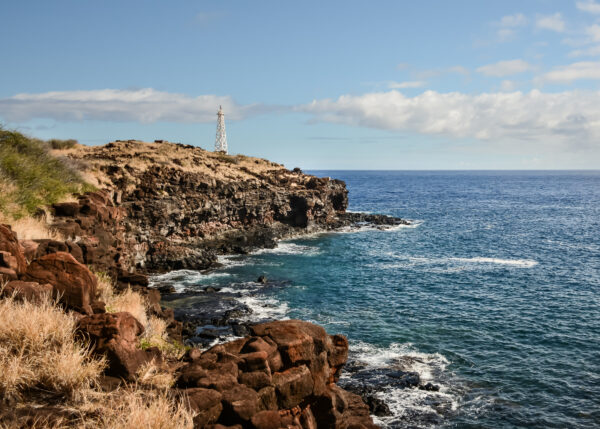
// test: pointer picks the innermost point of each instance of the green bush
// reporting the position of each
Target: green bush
(62, 144)
(37, 178)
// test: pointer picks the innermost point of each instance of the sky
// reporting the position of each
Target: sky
(393, 85)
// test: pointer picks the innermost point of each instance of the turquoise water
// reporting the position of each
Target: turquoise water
(493, 294)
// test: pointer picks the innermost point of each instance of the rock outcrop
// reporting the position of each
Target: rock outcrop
(282, 376)
(184, 205)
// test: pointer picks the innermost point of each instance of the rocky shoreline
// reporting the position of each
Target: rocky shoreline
(157, 214)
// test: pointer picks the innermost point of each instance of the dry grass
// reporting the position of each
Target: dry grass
(49, 380)
(38, 351)
(153, 375)
(131, 302)
(148, 410)
(30, 228)
(155, 329)
(129, 408)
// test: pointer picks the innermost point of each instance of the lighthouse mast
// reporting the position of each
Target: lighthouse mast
(221, 140)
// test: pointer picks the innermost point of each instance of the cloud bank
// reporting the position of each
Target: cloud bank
(137, 105)
(571, 116)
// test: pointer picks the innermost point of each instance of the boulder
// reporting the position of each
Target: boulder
(13, 257)
(293, 386)
(73, 282)
(206, 403)
(115, 335)
(239, 405)
(46, 246)
(29, 291)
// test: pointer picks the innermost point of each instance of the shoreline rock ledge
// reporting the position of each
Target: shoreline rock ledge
(282, 376)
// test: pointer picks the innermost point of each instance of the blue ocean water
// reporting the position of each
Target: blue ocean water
(493, 293)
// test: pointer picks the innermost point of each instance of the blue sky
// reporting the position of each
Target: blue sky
(320, 85)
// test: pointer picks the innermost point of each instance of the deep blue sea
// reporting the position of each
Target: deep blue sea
(493, 293)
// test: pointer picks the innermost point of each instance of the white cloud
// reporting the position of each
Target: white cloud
(592, 51)
(139, 105)
(505, 68)
(577, 71)
(508, 85)
(516, 20)
(508, 25)
(593, 32)
(565, 117)
(589, 6)
(409, 84)
(551, 22)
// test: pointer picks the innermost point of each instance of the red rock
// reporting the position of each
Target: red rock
(30, 291)
(10, 244)
(205, 403)
(72, 281)
(256, 361)
(293, 386)
(239, 405)
(307, 419)
(45, 247)
(7, 275)
(116, 336)
(293, 343)
(256, 379)
(268, 398)
(29, 249)
(266, 420)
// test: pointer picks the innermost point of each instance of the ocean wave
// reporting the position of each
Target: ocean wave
(408, 406)
(184, 279)
(448, 264)
(289, 248)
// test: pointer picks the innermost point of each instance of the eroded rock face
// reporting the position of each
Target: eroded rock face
(281, 376)
(184, 205)
(12, 257)
(73, 282)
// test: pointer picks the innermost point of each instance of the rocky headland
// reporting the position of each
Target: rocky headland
(161, 207)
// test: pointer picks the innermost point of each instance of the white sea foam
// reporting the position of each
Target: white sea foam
(408, 402)
(289, 248)
(264, 308)
(449, 264)
(183, 279)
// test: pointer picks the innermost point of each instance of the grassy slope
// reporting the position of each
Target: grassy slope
(30, 177)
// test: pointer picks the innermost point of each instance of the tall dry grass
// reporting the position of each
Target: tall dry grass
(38, 351)
(155, 328)
(49, 380)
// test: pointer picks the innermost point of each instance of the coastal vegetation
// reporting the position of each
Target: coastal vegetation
(32, 177)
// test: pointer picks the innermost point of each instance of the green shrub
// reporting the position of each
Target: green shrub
(62, 144)
(31, 177)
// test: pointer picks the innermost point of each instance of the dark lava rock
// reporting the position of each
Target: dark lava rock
(262, 279)
(166, 289)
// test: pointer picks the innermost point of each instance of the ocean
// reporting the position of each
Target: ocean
(492, 294)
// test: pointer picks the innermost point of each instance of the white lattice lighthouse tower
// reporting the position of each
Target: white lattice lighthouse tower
(221, 140)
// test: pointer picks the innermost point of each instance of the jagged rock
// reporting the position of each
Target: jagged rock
(72, 281)
(260, 389)
(262, 279)
(115, 335)
(46, 246)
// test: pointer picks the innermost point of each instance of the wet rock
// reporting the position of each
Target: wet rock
(262, 280)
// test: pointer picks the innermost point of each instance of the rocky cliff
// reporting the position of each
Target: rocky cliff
(184, 205)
